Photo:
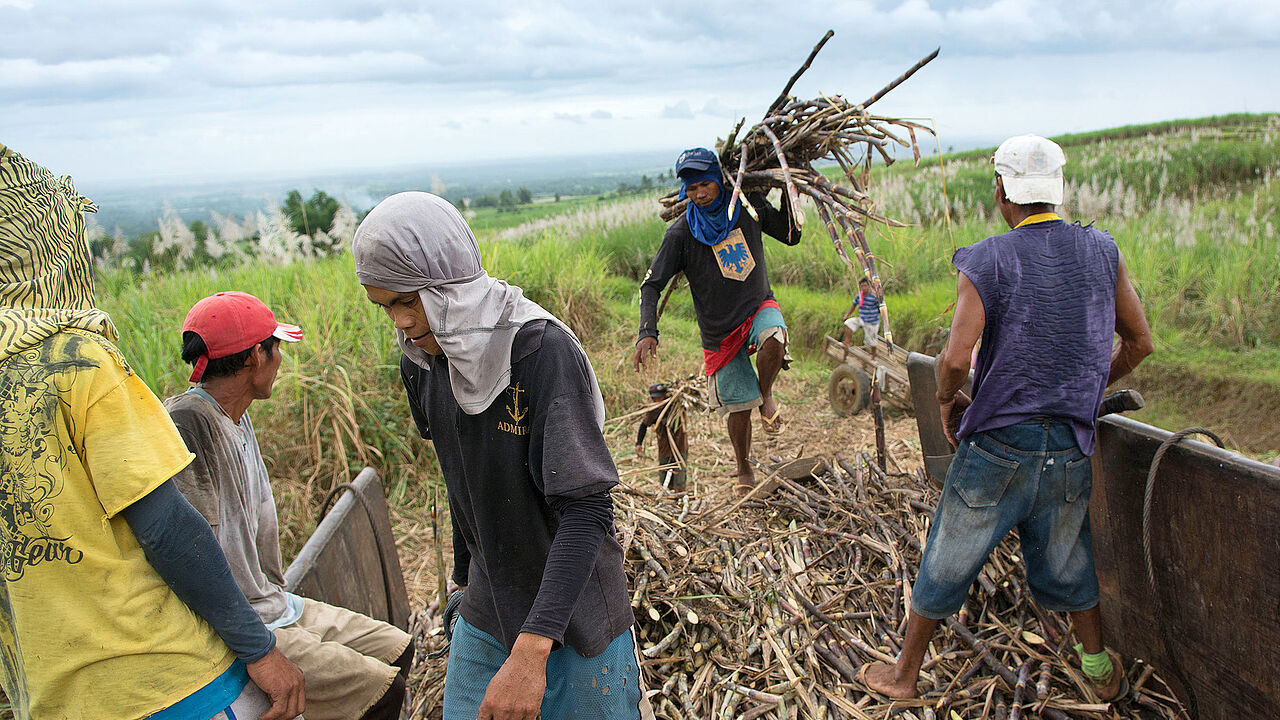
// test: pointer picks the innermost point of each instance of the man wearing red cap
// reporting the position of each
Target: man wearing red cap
(354, 666)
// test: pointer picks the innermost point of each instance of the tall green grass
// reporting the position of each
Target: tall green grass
(1193, 205)
(338, 403)
(1205, 258)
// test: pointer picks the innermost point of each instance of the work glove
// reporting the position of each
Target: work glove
(451, 609)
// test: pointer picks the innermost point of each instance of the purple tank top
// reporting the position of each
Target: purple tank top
(1049, 293)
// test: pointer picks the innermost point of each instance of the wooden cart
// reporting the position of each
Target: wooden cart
(1208, 605)
(849, 389)
(351, 559)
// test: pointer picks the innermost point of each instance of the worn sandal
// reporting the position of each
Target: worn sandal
(772, 424)
(1117, 666)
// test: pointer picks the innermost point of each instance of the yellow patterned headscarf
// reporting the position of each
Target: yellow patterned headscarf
(46, 276)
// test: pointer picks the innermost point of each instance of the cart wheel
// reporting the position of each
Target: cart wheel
(848, 390)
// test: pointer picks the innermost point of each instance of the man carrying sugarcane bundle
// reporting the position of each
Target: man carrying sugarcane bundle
(509, 400)
(720, 251)
(1046, 299)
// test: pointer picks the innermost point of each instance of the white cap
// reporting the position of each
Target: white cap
(1031, 168)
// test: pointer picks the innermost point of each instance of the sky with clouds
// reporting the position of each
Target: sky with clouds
(108, 89)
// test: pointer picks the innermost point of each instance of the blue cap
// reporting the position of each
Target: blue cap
(697, 160)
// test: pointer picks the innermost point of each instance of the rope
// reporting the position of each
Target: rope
(373, 527)
(1148, 496)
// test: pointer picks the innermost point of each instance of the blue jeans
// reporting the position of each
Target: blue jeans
(1031, 476)
(606, 687)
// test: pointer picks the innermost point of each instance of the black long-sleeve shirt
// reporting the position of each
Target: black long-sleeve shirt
(721, 303)
(186, 555)
(528, 482)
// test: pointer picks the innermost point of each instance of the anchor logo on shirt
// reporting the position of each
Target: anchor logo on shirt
(514, 408)
(517, 413)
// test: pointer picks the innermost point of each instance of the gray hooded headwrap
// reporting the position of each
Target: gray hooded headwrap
(418, 242)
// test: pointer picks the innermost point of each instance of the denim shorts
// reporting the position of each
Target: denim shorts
(735, 387)
(606, 686)
(1030, 476)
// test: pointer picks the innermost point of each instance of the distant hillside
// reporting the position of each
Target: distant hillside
(135, 207)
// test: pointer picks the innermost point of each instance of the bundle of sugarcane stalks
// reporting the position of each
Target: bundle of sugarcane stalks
(766, 607)
(779, 152)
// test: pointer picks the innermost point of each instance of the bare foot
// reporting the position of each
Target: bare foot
(882, 678)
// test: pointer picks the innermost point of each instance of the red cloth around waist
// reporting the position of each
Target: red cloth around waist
(713, 360)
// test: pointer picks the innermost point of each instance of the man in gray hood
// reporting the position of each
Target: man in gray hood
(510, 402)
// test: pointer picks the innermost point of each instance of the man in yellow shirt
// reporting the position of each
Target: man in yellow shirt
(113, 604)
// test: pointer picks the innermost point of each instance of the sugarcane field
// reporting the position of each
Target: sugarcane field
(666, 362)
(766, 604)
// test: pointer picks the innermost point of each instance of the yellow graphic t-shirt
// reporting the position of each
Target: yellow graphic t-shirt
(87, 627)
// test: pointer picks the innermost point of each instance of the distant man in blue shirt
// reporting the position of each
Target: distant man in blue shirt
(1047, 300)
(865, 313)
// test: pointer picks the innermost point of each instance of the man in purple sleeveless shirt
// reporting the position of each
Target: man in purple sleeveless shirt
(1046, 300)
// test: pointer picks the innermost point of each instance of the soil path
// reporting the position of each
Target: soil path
(812, 428)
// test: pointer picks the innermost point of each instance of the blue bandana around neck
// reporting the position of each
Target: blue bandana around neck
(710, 225)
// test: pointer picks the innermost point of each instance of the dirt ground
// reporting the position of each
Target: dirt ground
(812, 428)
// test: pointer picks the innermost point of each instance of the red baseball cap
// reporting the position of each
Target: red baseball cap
(230, 322)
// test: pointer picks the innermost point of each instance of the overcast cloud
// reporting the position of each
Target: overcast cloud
(112, 89)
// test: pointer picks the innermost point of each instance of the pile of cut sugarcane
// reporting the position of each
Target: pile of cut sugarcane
(779, 152)
(766, 607)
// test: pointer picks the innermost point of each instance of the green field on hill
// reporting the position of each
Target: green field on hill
(1193, 206)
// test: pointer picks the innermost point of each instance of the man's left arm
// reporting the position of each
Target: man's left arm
(953, 362)
(584, 521)
(1131, 325)
(128, 442)
(186, 555)
(577, 474)
(773, 222)
(517, 689)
